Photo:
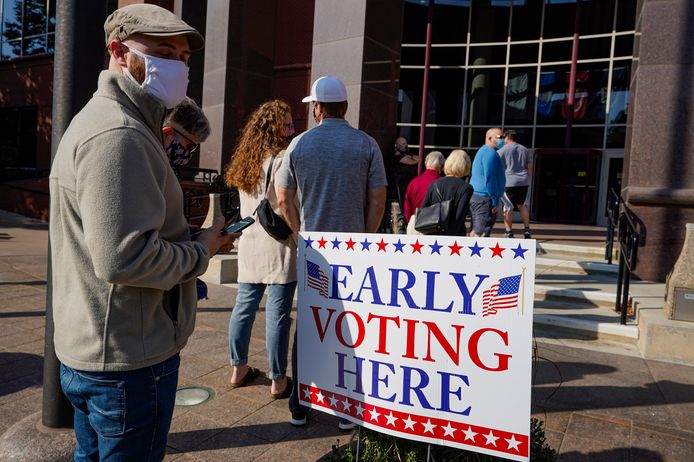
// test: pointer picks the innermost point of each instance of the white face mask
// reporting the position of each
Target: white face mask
(165, 79)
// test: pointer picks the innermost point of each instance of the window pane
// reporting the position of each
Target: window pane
(50, 48)
(11, 49)
(597, 17)
(594, 48)
(51, 15)
(626, 15)
(412, 56)
(443, 138)
(410, 95)
(557, 51)
(624, 45)
(485, 55)
(34, 46)
(526, 19)
(35, 20)
(616, 135)
(524, 54)
(619, 99)
(448, 56)
(446, 93)
(587, 137)
(450, 24)
(552, 94)
(485, 96)
(475, 139)
(550, 137)
(11, 17)
(490, 20)
(559, 19)
(524, 135)
(520, 96)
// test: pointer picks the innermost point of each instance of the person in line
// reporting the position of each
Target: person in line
(263, 261)
(488, 181)
(337, 174)
(185, 128)
(453, 187)
(124, 265)
(404, 168)
(518, 164)
(417, 188)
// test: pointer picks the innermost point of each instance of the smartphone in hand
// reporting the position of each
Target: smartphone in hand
(239, 225)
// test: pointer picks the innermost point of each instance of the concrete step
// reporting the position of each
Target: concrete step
(572, 265)
(586, 252)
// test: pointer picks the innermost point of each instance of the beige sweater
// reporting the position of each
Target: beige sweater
(262, 259)
(123, 265)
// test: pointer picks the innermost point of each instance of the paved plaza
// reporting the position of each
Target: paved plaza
(598, 403)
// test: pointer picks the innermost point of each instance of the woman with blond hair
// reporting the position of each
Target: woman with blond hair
(454, 187)
(263, 262)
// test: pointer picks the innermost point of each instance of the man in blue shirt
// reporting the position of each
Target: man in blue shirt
(488, 180)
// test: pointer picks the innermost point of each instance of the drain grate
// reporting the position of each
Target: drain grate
(193, 395)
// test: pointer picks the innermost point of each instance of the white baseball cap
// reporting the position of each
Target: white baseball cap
(327, 89)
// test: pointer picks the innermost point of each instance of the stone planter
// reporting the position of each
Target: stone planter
(679, 293)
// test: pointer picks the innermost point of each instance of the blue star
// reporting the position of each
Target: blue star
(398, 246)
(475, 250)
(365, 245)
(435, 247)
(308, 242)
(335, 243)
(518, 252)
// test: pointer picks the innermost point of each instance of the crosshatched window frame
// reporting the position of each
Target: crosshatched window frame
(615, 54)
(19, 44)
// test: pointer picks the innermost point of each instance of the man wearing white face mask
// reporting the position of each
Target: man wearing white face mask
(124, 294)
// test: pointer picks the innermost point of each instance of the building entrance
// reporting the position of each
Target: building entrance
(565, 185)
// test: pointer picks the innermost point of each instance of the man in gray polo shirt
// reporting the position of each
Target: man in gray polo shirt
(337, 174)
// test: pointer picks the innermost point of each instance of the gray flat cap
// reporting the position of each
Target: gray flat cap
(149, 19)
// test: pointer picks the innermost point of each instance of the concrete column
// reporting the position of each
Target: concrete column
(238, 70)
(659, 154)
(359, 42)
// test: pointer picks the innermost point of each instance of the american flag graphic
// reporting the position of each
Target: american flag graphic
(500, 296)
(316, 278)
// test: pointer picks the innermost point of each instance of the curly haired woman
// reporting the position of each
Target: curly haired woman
(263, 261)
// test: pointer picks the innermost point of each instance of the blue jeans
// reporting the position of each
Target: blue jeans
(277, 322)
(122, 416)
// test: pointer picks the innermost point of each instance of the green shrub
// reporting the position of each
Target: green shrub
(379, 447)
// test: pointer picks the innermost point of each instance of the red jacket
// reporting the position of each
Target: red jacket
(417, 189)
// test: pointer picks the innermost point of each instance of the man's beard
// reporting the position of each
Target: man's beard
(136, 66)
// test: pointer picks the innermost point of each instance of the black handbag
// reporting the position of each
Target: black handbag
(272, 223)
(434, 218)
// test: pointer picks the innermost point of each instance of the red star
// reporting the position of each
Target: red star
(322, 242)
(417, 247)
(382, 245)
(455, 248)
(496, 251)
(350, 244)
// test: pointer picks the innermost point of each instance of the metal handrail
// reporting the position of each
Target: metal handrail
(614, 201)
(629, 239)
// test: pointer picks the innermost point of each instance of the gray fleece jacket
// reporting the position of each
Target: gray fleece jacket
(123, 265)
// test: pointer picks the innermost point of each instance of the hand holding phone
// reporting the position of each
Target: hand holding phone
(239, 225)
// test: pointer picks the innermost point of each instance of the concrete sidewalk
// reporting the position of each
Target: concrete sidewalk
(596, 405)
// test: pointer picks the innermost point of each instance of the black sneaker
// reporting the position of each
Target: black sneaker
(346, 425)
(508, 234)
(527, 234)
(298, 421)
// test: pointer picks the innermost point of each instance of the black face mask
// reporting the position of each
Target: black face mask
(178, 155)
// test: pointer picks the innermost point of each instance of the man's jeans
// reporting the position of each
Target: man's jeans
(122, 416)
(277, 323)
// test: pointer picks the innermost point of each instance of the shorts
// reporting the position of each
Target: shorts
(482, 217)
(517, 195)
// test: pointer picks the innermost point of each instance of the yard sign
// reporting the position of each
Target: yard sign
(421, 337)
